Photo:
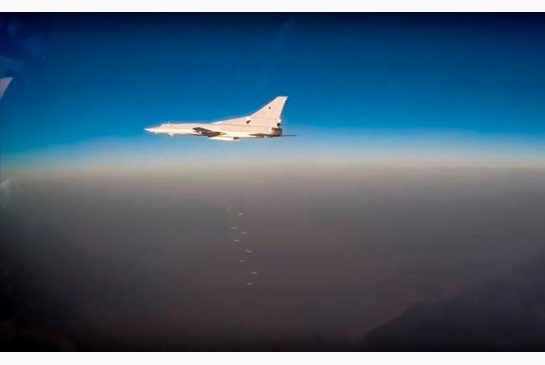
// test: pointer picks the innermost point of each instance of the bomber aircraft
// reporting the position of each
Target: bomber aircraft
(264, 123)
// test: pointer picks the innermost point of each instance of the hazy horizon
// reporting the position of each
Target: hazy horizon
(147, 260)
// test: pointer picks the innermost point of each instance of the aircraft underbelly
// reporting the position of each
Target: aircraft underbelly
(237, 132)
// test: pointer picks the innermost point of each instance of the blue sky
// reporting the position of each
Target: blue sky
(467, 84)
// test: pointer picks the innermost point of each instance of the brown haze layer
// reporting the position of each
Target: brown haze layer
(146, 260)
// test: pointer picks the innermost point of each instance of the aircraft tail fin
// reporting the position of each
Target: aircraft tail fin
(269, 115)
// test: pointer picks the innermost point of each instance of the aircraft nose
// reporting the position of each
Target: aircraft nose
(151, 129)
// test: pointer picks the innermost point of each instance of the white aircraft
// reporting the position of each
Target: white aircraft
(264, 123)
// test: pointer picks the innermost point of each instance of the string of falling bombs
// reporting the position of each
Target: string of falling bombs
(240, 236)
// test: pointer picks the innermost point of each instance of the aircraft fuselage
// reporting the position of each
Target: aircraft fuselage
(264, 123)
(212, 130)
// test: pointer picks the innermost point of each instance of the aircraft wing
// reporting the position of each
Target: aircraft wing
(4, 83)
(207, 132)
